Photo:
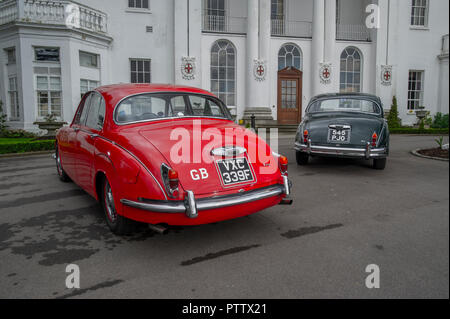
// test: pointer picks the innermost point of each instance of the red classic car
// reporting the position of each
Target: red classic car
(167, 155)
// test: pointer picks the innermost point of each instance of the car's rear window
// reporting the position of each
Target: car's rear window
(345, 105)
(151, 106)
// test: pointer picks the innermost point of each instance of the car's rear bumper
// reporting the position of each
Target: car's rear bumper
(177, 211)
(368, 152)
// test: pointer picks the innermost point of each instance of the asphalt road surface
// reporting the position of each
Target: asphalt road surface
(345, 217)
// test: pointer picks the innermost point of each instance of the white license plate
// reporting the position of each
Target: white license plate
(235, 171)
(338, 136)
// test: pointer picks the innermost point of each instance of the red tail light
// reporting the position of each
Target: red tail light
(283, 162)
(305, 136)
(173, 179)
(374, 139)
(170, 179)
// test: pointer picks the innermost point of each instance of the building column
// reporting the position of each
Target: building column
(187, 39)
(258, 47)
(252, 99)
(381, 42)
(330, 45)
(318, 44)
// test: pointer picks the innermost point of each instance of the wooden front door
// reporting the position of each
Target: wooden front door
(289, 96)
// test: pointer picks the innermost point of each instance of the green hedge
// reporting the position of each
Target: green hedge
(408, 130)
(23, 147)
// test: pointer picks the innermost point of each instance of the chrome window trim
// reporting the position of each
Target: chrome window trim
(171, 117)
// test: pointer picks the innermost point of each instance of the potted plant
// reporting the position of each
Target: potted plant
(51, 124)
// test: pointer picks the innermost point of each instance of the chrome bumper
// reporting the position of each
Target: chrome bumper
(368, 152)
(191, 206)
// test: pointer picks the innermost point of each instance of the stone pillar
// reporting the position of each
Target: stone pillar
(252, 99)
(187, 40)
(258, 48)
(318, 44)
(331, 56)
(381, 42)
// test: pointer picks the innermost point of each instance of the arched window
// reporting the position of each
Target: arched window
(223, 71)
(351, 70)
(290, 55)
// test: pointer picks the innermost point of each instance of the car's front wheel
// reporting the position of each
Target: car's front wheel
(302, 158)
(119, 225)
(379, 164)
(61, 173)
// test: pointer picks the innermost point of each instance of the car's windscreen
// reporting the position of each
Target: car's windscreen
(158, 106)
(345, 105)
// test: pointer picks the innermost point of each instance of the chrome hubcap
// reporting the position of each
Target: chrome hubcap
(109, 203)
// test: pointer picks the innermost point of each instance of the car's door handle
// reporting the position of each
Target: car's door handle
(93, 136)
(76, 129)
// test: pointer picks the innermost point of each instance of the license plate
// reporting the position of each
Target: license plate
(338, 136)
(235, 171)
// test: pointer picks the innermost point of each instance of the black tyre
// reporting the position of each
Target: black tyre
(379, 164)
(119, 225)
(61, 173)
(302, 158)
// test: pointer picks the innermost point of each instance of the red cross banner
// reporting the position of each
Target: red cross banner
(386, 75)
(325, 73)
(188, 68)
(260, 70)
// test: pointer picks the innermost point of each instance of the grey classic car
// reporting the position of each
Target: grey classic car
(344, 125)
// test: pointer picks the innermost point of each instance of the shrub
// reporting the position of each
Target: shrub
(440, 121)
(22, 147)
(3, 125)
(393, 119)
(17, 134)
(410, 130)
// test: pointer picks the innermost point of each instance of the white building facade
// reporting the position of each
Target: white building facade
(262, 57)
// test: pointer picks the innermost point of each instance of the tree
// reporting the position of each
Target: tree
(393, 120)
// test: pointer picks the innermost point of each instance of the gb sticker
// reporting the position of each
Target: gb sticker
(197, 175)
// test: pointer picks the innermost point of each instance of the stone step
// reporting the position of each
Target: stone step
(288, 128)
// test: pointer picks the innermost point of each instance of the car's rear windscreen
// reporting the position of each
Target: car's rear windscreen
(151, 106)
(345, 105)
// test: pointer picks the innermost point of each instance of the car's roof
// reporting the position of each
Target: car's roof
(119, 91)
(343, 95)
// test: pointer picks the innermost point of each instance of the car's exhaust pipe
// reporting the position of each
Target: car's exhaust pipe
(286, 202)
(159, 229)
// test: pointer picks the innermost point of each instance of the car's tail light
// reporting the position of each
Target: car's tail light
(173, 179)
(374, 139)
(170, 179)
(305, 136)
(283, 163)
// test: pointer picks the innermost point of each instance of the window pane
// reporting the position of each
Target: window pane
(92, 118)
(42, 83)
(289, 56)
(42, 98)
(140, 71)
(88, 59)
(55, 84)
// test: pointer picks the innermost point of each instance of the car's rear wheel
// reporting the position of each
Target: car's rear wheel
(119, 225)
(302, 158)
(61, 173)
(379, 164)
